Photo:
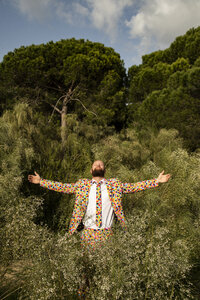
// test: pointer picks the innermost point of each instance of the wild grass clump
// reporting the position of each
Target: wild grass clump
(55, 269)
(143, 263)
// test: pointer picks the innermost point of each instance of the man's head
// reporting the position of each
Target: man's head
(98, 169)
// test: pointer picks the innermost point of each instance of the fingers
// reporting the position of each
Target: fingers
(33, 178)
(168, 176)
(30, 178)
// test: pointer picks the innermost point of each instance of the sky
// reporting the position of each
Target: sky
(131, 27)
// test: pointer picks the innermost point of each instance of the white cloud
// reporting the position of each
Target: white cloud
(71, 12)
(34, 9)
(63, 11)
(105, 14)
(44, 9)
(80, 9)
(158, 22)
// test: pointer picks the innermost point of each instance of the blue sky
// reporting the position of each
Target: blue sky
(131, 27)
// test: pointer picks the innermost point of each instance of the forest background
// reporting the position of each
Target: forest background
(65, 104)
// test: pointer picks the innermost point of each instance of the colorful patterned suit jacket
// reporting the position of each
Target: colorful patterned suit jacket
(82, 188)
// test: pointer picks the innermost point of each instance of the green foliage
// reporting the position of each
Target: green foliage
(17, 212)
(44, 73)
(55, 269)
(173, 109)
(149, 79)
(173, 208)
(155, 259)
(186, 46)
(142, 263)
(164, 91)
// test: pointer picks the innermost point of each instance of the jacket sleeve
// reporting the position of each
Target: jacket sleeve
(139, 186)
(68, 188)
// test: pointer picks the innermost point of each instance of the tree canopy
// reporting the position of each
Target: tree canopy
(164, 91)
(44, 73)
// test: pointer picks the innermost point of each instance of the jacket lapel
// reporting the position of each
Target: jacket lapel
(109, 189)
(86, 192)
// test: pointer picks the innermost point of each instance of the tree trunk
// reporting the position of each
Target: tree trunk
(64, 124)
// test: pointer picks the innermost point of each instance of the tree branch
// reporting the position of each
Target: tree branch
(55, 108)
(70, 93)
(84, 106)
(67, 98)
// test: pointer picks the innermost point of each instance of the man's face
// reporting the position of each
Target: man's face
(98, 169)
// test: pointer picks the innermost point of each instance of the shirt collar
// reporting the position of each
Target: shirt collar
(101, 181)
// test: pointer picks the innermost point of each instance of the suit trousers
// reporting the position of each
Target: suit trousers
(93, 238)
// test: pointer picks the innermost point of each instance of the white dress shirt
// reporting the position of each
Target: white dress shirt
(89, 220)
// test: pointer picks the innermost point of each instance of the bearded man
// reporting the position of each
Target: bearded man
(97, 200)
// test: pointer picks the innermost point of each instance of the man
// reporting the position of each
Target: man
(97, 201)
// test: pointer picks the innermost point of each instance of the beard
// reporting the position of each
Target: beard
(98, 173)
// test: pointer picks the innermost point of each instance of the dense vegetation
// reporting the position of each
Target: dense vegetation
(165, 89)
(65, 104)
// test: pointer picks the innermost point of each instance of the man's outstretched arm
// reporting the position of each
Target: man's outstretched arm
(144, 185)
(68, 188)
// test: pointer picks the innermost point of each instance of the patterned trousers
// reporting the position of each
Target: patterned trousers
(93, 238)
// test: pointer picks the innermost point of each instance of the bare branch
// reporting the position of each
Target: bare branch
(67, 98)
(70, 93)
(55, 108)
(84, 106)
(59, 89)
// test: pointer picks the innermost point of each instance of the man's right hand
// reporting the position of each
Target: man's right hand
(34, 179)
